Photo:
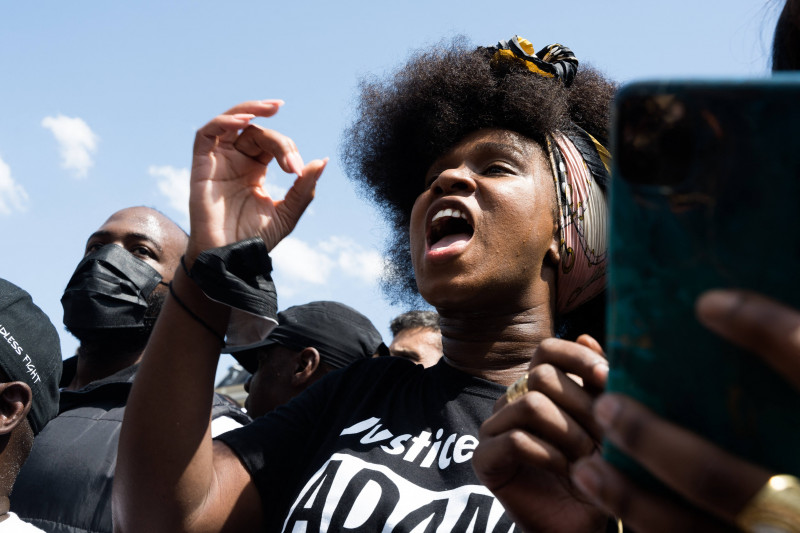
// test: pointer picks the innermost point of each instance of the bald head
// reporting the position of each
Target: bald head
(147, 234)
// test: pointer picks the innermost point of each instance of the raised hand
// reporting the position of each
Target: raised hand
(527, 447)
(228, 201)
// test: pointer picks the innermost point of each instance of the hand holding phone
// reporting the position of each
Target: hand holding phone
(715, 485)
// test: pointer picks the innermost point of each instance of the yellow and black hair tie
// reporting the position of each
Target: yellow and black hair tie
(552, 61)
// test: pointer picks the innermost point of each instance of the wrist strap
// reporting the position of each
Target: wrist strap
(238, 275)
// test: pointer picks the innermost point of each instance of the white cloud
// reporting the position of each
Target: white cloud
(354, 260)
(12, 195)
(299, 263)
(174, 184)
(76, 143)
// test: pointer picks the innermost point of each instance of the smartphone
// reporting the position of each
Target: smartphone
(705, 194)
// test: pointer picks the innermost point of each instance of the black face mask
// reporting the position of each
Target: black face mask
(109, 290)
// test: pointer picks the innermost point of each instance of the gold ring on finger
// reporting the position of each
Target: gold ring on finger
(775, 507)
(517, 389)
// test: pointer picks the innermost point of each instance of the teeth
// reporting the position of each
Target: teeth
(455, 213)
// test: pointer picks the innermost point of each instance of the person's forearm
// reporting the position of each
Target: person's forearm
(165, 468)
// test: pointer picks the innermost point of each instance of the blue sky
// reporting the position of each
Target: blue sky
(100, 101)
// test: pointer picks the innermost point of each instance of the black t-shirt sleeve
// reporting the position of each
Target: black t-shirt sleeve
(276, 446)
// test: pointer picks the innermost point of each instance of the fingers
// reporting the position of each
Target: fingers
(567, 395)
(263, 145)
(261, 108)
(704, 474)
(581, 359)
(255, 142)
(500, 456)
(639, 509)
(535, 418)
(591, 343)
(557, 408)
(758, 324)
(222, 126)
(225, 127)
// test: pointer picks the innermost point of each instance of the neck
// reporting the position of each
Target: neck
(98, 362)
(496, 347)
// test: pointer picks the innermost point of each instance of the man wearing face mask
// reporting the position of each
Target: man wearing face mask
(110, 304)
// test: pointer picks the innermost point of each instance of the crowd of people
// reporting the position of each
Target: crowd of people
(489, 414)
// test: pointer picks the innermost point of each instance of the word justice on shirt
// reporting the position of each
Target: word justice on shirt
(421, 449)
(351, 493)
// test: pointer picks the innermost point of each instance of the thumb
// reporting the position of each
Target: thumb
(303, 188)
(289, 210)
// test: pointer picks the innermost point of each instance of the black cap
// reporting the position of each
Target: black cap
(341, 334)
(30, 351)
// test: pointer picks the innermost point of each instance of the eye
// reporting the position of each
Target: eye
(142, 251)
(496, 169)
(93, 247)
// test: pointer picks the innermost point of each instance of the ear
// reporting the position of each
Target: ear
(553, 254)
(16, 399)
(308, 361)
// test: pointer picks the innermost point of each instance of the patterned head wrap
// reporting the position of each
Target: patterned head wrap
(580, 167)
(552, 61)
(577, 160)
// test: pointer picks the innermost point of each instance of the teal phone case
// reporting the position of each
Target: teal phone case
(705, 194)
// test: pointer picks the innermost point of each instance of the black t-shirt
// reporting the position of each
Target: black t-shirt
(381, 445)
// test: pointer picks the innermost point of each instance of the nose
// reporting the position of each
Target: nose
(247, 384)
(454, 180)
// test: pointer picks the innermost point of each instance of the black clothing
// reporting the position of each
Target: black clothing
(65, 485)
(381, 443)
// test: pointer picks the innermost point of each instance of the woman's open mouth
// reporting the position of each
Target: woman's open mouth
(449, 228)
